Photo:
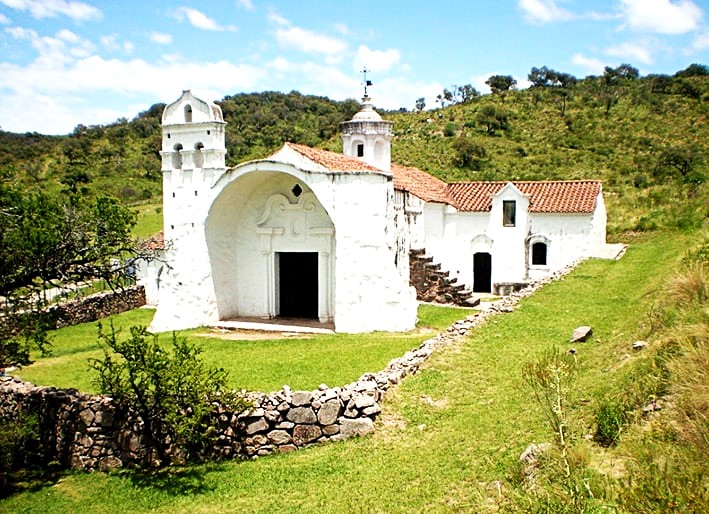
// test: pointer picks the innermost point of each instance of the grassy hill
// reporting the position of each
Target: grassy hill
(450, 437)
(645, 138)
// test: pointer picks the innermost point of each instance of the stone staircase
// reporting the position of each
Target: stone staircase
(434, 285)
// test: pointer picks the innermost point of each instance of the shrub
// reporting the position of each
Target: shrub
(19, 438)
(449, 129)
(172, 394)
(610, 420)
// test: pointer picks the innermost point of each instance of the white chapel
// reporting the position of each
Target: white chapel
(333, 238)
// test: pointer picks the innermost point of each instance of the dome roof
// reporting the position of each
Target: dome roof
(367, 112)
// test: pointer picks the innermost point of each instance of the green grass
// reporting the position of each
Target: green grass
(260, 364)
(449, 437)
(149, 220)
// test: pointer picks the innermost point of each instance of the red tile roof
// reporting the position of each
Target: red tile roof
(572, 196)
(419, 183)
(331, 160)
(156, 242)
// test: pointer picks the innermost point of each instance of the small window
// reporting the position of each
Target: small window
(177, 157)
(539, 254)
(297, 190)
(360, 150)
(509, 213)
(188, 113)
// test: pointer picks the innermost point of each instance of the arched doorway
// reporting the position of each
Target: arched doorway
(271, 245)
(482, 272)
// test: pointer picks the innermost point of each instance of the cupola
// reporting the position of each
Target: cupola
(367, 136)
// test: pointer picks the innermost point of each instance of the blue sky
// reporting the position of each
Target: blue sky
(70, 62)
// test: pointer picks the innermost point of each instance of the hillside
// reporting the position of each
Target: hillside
(644, 137)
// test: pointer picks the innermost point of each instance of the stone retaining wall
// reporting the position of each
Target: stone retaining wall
(83, 310)
(86, 432)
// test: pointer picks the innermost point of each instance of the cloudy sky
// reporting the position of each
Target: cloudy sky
(69, 62)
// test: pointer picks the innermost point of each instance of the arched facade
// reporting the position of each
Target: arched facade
(259, 222)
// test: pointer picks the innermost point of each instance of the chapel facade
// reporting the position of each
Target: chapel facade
(318, 235)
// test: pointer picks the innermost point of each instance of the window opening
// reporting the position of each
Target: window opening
(509, 213)
(188, 113)
(360, 150)
(297, 190)
(539, 254)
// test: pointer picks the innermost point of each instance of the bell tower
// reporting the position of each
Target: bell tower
(367, 136)
(193, 154)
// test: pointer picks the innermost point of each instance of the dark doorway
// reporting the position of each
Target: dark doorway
(482, 273)
(298, 284)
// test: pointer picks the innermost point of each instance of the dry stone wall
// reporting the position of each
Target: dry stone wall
(83, 431)
(84, 310)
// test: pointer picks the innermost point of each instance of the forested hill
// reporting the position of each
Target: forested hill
(123, 158)
(645, 137)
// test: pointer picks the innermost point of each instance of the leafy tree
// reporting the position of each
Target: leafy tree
(493, 118)
(694, 70)
(624, 72)
(500, 83)
(45, 242)
(420, 104)
(680, 162)
(467, 93)
(172, 392)
(469, 154)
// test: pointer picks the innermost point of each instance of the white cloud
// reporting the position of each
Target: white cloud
(161, 38)
(298, 38)
(631, 52)
(591, 65)
(4, 20)
(543, 11)
(50, 8)
(661, 16)
(247, 5)
(200, 20)
(701, 42)
(52, 94)
(376, 60)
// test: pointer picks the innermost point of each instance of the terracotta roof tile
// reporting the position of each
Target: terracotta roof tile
(156, 242)
(331, 160)
(418, 182)
(573, 196)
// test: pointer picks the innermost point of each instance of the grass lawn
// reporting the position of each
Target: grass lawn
(149, 220)
(260, 364)
(449, 437)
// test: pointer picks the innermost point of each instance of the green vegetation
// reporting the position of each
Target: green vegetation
(263, 364)
(644, 137)
(450, 437)
(172, 391)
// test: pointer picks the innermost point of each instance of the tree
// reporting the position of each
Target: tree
(616, 76)
(469, 154)
(173, 392)
(493, 118)
(500, 83)
(48, 242)
(467, 93)
(545, 77)
(694, 70)
(420, 104)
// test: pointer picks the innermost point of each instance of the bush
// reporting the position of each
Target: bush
(610, 420)
(449, 129)
(19, 439)
(174, 394)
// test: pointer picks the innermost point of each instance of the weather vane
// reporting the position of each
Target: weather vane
(366, 82)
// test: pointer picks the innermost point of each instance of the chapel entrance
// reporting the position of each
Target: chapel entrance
(297, 274)
(482, 272)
